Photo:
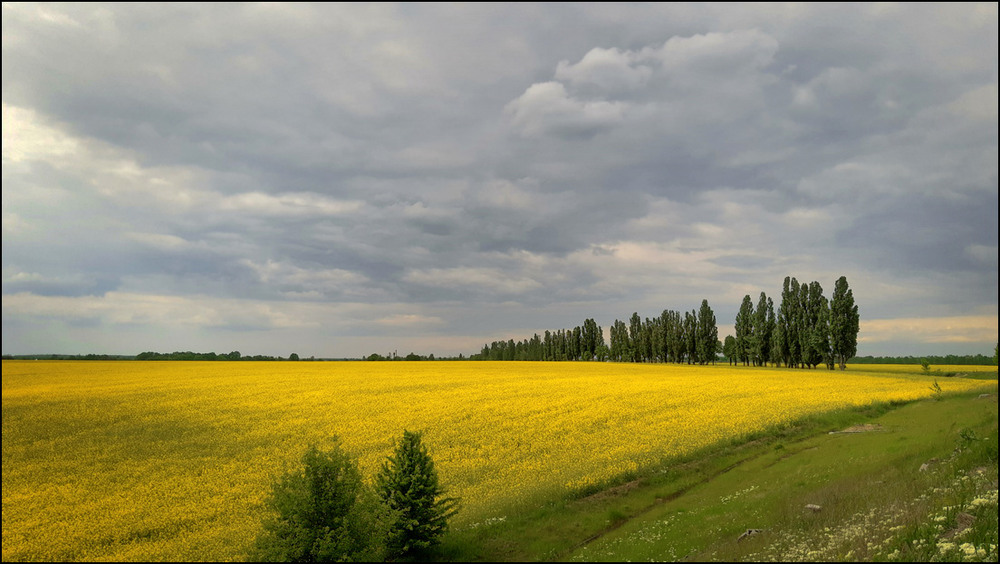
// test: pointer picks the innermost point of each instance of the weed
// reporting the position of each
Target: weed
(938, 392)
(616, 517)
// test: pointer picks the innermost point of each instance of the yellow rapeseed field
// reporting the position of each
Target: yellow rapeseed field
(172, 460)
(939, 370)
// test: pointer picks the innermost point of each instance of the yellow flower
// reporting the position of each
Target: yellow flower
(172, 460)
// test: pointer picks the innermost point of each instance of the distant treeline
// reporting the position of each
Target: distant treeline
(690, 337)
(188, 355)
(968, 360)
(806, 330)
(411, 357)
(177, 355)
(68, 357)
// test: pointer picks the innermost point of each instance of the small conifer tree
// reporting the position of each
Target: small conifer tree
(408, 484)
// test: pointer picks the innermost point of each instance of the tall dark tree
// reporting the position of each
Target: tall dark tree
(408, 484)
(779, 344)
(592, 338)
(619, 342)
(821, 335)
(844, 323)
(675, 335)
(635, 337)
(729, 349)
(657, 340)
(691, 336)
(789, 322)
(813, 340)
(744, 330)
(708, 334)
(646, 341)
(763, 326)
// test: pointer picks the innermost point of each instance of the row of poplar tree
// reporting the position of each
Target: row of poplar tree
(690, 337)
(806, 330)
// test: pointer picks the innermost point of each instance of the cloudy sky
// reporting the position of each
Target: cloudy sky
(337, 180)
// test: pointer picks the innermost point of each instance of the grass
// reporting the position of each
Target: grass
(568, 526)
(875, 502)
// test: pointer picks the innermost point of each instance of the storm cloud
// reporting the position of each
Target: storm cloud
(346, 179)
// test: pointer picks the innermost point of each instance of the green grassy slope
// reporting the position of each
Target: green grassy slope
(875, 502)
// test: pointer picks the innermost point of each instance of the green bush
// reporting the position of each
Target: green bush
(324, 512)
(408, 485)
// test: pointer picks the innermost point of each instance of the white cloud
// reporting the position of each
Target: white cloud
(293, 204)
(831, 85)
(26, 138)
(717, 52)
(120, 308)
(160, 241)
(320, 280)
(506, 194)
(985, 255)
(979, 104)
(547, 108)
(610, 70)
(14, 225)
(13, 276)
(95, 168)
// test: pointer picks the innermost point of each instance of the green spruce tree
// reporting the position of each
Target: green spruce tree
(408, 484)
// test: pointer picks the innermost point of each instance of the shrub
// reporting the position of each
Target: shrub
(323, 513)
(408, 484)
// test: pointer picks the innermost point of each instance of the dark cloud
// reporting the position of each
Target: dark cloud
(488, 170)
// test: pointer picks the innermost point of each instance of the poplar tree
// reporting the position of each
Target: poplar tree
(744, 330)
(763, 326)
(844, 323)
(675, 335)
(812, 333)
(690, 336)
(729, 349)
(635, 337)
(789, 320)
(619, 341)
(592, 338)
(708, 334)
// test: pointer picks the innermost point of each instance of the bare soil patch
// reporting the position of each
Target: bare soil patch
(865, 428)
(617, 491)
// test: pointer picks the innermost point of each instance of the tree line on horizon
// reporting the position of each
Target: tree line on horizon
(188, 355)
(950, 359)
(805, 331)
(691, 337)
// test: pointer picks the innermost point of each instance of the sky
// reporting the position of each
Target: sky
(340, 180)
